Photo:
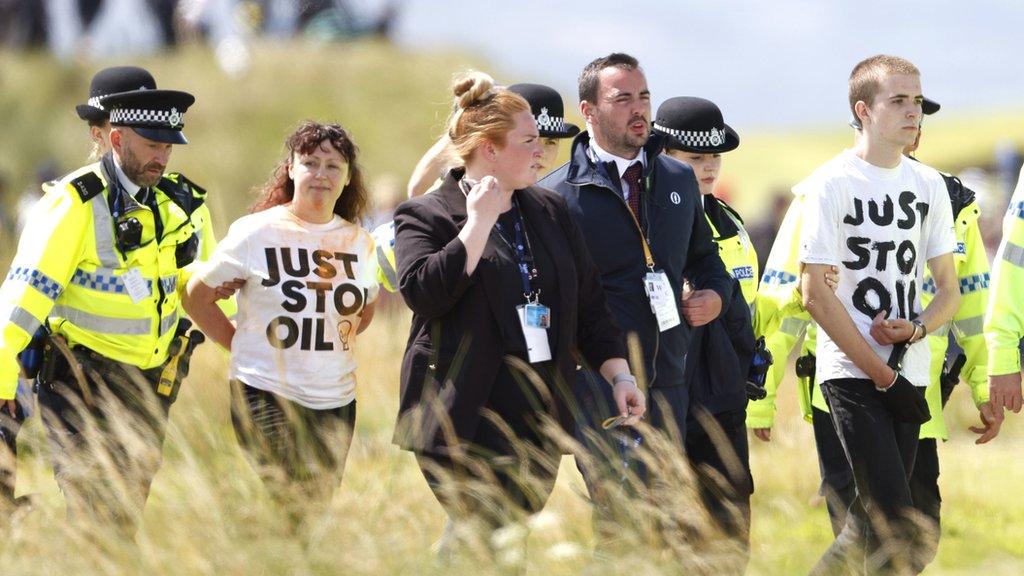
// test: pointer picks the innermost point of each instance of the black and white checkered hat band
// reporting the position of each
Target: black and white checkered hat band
(95, 101)
(156, 118)
(695, 139)
(550, 123)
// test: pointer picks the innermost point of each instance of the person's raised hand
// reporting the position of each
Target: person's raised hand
(486, 201)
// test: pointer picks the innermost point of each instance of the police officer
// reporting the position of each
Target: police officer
(100, 267)
(1004, 320)
(968, 359)
(191, 197)
(720, 352)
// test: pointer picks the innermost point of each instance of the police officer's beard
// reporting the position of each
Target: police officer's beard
(139, 173)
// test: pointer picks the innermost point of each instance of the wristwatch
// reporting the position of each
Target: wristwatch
(623, 377)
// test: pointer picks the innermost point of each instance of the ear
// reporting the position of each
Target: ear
(585, 110)
(290, 167)
(862, 111)
(490, 150)
(116, 140)
(348, 177)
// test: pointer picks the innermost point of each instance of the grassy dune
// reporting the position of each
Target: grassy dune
(208, 512)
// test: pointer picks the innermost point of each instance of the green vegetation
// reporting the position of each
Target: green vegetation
(208, 512)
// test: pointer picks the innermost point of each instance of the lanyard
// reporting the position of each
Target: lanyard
(648, 257)
(519, 244)
(521, 249)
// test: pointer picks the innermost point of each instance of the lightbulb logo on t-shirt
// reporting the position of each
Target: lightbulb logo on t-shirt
(291, 267)
(883, 254)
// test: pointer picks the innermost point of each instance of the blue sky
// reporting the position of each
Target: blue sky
(768, 63)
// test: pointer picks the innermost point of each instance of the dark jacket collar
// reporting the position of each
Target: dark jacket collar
(583, 171)
(451, 195)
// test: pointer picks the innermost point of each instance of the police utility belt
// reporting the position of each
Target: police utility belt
(79, 366)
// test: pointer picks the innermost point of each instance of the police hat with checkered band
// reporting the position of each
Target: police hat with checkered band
(154, 114)
(112, 81)
(547, 109)
(928, 107)
(695, 125)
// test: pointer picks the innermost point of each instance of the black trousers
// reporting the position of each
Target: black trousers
(510, 466)
(838, 489)
(298, 452)
(879, 534)
(720, 456)
(9, 428)
(108, 445)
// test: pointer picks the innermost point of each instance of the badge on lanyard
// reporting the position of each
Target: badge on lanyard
(535, 318)
(662, 299)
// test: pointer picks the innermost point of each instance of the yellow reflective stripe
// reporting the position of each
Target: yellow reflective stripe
(941, 331)
(793, 326)
(169, 322)
(1014, 254)
(23, 319)
(968, 327)
(103, 228)
(103, 324)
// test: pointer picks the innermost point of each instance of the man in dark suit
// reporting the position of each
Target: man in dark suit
(641, 215)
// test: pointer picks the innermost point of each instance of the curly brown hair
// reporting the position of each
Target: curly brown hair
(307, 137)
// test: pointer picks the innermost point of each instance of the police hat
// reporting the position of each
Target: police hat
(928, 107)
(695, 125)
(154, 114)
(111, 81)
(547, 109)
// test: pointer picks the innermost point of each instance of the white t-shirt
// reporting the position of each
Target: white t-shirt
(296, 322)
(880, 227)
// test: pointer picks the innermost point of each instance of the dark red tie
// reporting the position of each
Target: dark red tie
(632, 177)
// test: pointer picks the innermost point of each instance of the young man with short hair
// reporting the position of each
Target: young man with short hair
(879, 218)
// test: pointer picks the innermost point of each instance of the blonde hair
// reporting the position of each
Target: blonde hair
(483, 112)
(867, 76)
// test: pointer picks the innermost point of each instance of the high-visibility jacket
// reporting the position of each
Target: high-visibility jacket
(70, 272)
(781, 317)
(735, 248)
(1004, 320)
(781, 307)
(384, 237)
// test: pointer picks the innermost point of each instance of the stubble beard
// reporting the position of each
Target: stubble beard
(621, 143)
(136, 172)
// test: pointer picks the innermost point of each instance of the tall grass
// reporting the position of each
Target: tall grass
(209, 513)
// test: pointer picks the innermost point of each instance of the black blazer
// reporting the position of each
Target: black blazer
(455, 348)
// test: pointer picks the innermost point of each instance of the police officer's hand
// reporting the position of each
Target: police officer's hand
(886, 331)
(991, 421)
(1004, 391)
(763, 434)
(701, 306)
(9, 406)
(831, 279)
(228, 289)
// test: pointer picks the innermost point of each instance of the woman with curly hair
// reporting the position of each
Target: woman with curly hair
(310, 287)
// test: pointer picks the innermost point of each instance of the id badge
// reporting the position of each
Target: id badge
(531, 317)
(662, 299)
(137, 287)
